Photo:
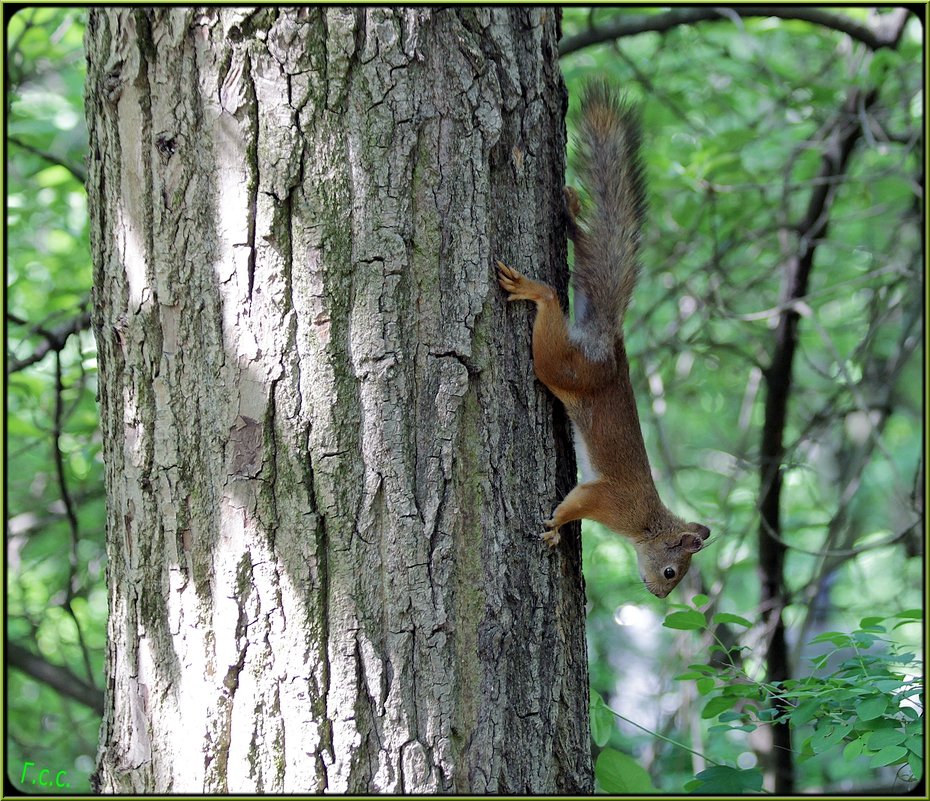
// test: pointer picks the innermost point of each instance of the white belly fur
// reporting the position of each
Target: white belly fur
(583, 457)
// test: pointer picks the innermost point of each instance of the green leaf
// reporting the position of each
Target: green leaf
(870, 622)
(727, 727)
(872, 707)
(865, 726)
(619, 773)
(688, 620)
(838, 638)
(705, 669)
(864, 639)
(805, 712)
(853, 749)
(726, 780)
(806, 751)
(911, 614)
(726, 617)
(828, 735)
(767, 715)
(705, 685)
(699, 600)
(888, 756)
(717, 705)
(602, 720)
(819, 661)
(915, 736)
(916, 763)
(884, 737)
(887, 685)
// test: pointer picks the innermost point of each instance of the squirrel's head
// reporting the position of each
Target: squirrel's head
(664, 556)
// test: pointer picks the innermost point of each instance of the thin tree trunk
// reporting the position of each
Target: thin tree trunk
(326, 455)
(840, 141)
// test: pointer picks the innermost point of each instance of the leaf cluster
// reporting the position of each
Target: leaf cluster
(861, 702)
(866, 710)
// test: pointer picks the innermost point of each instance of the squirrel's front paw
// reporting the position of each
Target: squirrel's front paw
(551, 535)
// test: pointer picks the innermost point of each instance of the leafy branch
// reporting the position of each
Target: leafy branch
(867, 703)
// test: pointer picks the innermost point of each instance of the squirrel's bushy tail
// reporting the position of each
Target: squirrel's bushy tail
(607, 244)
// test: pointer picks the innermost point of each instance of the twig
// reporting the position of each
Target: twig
(662, 737)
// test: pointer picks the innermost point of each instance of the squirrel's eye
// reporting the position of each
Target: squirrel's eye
(669, 573)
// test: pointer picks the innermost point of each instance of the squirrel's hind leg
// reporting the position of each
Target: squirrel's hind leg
(558, 362)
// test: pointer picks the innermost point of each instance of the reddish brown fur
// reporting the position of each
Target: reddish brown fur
(599, 399)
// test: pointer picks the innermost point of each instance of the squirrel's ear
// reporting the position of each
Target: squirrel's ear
(703, 531)
(692, 542)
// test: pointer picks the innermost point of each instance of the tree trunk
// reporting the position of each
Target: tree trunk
(842, 136)
(327, 458)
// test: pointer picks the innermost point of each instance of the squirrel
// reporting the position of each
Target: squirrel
(585, 365)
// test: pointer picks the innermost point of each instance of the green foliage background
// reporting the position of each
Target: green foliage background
(56, 599)
(731, 115)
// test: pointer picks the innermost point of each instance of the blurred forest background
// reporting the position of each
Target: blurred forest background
(779, 321)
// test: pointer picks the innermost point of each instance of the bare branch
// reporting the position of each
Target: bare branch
(78, 172)
(55, 340)
(884, 34)
(55, 676)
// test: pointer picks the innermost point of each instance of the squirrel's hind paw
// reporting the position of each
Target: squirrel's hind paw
(522, 288)
(510, 280)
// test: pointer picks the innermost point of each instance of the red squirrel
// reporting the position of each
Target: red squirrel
(585, 365)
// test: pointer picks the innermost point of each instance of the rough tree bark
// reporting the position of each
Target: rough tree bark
(326, 455)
